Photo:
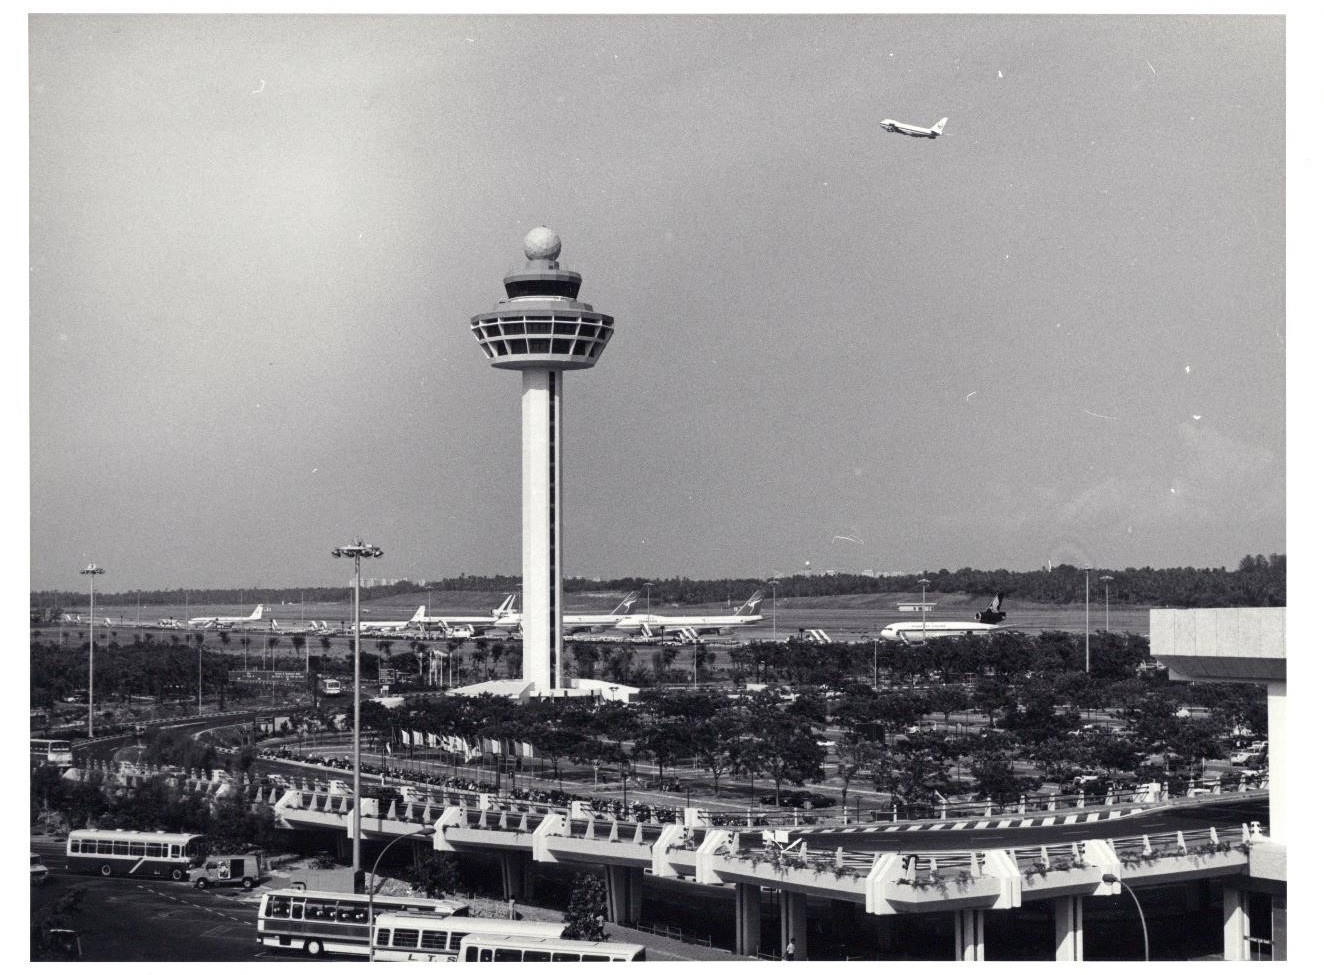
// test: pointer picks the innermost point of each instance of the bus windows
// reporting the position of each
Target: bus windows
(405, 938)
(532, 955)
(568, 956)
(508, 954)
(435, 941)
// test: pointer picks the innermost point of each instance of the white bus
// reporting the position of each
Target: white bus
(52, 751)
(418, 937)
(330, 687)
(509, 947)
(122, 851)
(318, 921)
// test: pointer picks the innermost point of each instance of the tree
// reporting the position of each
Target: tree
(855, 754)
(586, 915)
(437, 873)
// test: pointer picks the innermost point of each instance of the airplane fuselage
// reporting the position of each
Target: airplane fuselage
(919, 631)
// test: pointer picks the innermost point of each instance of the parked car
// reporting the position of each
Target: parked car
(39, 871)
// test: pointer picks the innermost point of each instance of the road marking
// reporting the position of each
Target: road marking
(982, 824)
(1004, 824)
(961, 825)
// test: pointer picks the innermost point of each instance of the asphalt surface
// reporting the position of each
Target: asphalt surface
(124, 919)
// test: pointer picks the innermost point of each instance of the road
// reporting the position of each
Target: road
(122, 919)
(1193, 820)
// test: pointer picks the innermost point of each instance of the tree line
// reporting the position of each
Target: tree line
(1256, 581)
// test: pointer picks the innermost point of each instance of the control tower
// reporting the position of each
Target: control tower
(542, 328)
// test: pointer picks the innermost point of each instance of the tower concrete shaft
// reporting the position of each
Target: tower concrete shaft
(542, 329)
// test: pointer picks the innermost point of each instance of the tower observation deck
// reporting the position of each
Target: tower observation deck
(542, 328)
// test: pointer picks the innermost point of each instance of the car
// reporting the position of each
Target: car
(1242, 757)
(38, 870)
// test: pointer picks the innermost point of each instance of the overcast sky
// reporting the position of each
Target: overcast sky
(1056, 333)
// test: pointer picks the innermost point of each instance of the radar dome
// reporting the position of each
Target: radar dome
(542, 244)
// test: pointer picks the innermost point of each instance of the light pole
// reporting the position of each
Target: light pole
(92, 571)
(924, 610)
(1106, 580)
(875, 663)
(372, 882)
(199, 642)
(357, 551)
(1087, 618)
(773, 584)
(1112, 878)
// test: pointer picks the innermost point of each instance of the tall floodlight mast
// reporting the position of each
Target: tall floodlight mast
(542, 329)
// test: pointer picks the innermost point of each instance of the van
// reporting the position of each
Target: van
(246, 871)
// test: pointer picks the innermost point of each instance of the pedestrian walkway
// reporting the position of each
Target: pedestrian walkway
(667, 949)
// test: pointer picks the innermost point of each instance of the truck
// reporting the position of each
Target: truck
(246, 871)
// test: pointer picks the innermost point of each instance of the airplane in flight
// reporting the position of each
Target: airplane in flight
(580, 622)
(917, 631)
(217, 622)
(918, 131)
(691, 627)
(467, 626)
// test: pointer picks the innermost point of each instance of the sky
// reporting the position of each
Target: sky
(1055, 334)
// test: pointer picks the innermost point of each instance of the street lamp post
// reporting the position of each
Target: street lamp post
(924, 610)
(875, 663)
(92, 571)
(199, 643)
(773, 584)
(1106, 580)
(357, 551)
(1112, 878)
(372, 882)
(1087, 618)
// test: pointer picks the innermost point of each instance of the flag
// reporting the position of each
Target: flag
(433, 740)
(526, 750)
(418, 737)
(404, 737)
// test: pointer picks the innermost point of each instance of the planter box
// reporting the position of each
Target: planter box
(948, 896)
(803, 880)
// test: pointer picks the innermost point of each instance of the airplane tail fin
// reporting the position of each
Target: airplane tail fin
(418, 614)
(937, 126)
(626, 604)
(751, 607)
(505, 607)
(257, 613)
(994, 613)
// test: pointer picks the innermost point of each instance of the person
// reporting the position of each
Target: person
(789, 953)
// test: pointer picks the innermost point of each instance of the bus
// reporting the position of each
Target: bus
(330, 687)
(418, 937)
(52, 751)
(318, 921)
(123, 851)
(510, 947)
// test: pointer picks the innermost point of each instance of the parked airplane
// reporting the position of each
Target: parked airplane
(649, 624)
(212, 622)
(580, 622)
(312, 626)
(918, 131)
(391, 626)
(170, 623)
(917, 631)
(466, 626)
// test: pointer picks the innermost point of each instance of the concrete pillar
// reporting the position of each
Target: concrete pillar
(541, 415)
(625, 894)
(1278, 807)
(1069, 928)
(969, 929)
(1278, 918)
(748, 919)
(794, 922)
(516, 878)
(1236, 925)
